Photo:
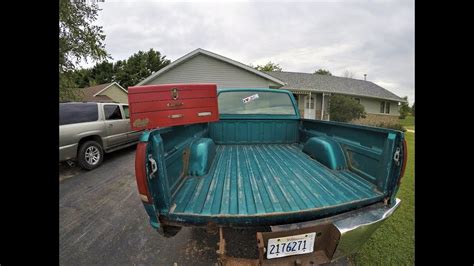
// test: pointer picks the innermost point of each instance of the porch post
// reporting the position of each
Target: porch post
(322, 107)
(309, 107)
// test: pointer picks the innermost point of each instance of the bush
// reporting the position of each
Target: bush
(344, 109)
(396, 126)
(404, 110)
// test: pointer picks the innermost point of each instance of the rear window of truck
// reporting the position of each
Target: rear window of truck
(255, 102)
(70, 113)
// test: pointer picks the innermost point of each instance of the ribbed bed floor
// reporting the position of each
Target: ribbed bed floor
(267, 178)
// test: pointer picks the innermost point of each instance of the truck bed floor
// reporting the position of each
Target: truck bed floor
(254, 180)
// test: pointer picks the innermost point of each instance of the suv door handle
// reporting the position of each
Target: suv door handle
(111, 125)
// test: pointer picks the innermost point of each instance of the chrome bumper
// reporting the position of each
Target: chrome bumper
(358, 226)
(349, 231)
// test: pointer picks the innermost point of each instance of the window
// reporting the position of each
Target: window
(385, 107)
(112, 112)
(126, 111)
(255, 102)
(72, 113)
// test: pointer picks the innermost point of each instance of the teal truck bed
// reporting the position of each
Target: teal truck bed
(262, 165)
(259, 181)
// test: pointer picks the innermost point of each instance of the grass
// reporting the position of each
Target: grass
(393, 243)
(408, 122)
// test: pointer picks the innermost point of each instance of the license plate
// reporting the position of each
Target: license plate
(290, 245)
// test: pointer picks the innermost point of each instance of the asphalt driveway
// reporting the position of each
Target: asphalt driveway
(103, 222)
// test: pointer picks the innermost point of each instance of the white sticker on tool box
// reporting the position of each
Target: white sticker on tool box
(250, 98)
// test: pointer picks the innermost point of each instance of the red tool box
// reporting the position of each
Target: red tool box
(167, 105)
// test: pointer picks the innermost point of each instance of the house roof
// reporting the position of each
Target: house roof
(213, 55)
(93, 93)
(333, 84)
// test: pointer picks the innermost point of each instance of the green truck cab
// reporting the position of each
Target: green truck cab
(318, 189)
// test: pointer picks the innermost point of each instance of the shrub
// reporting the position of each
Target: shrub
(404, 110)
(396, 126)
(344, 109)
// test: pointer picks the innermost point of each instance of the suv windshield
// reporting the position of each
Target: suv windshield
(255, 102)
(71, 113)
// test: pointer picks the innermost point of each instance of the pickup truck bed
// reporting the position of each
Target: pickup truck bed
(265, 179)
(262, 166)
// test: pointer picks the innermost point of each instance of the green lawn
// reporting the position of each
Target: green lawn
(393, 243)
(408, 122)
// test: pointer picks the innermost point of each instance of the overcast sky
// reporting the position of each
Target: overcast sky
(372, 37)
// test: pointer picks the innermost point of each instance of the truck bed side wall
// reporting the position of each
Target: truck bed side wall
(176, 142)
(369, 153)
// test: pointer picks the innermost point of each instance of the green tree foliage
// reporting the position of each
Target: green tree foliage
(404, 109)
(269, 67)
(345, 109)
(323, 72)
(81, 77)
(139, 66)
(78, 40)
(413, 109)
(126, 72)
(102, 73)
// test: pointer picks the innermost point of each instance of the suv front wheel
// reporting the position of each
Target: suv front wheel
(90, 155)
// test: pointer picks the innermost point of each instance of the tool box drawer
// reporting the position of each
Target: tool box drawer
(166, 105)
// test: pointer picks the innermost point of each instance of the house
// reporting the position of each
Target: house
(109, 92)
(312, 91)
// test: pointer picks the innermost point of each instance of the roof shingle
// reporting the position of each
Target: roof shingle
(333, 84)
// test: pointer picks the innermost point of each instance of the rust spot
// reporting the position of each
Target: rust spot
(141, 122)
(186, 154)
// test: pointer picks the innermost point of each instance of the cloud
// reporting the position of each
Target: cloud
(365, 37)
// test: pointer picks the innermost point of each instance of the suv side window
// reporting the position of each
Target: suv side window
(126, 111)
(72, 113)
(112, 112)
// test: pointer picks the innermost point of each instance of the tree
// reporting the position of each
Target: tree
(323, 72)
(102, 73)
(269, 67)
(126, 72)
(348, 74)
(413, 109)
(404, 109)
(81, 77)
(78, 40)
(345, 109)
(138, 67)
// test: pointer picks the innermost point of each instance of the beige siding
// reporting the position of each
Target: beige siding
(116, 94)
(204, 69)
(372, 106)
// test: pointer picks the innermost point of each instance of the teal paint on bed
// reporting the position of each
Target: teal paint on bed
(326, 151)
(201, 156)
